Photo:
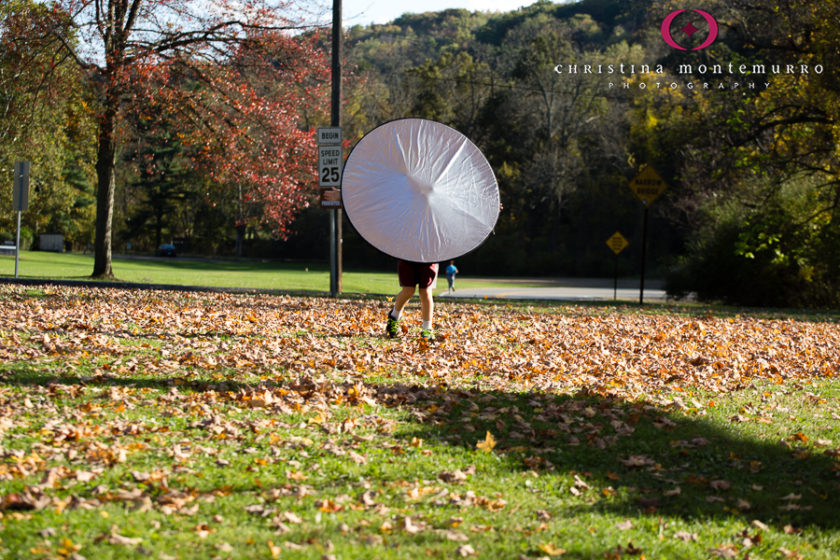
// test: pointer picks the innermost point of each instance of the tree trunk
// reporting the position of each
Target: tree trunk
(240, 238)
(158, 232)
(105, 167)
(240, 223)
(158, 221)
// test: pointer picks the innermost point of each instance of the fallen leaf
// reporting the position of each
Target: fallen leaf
(634, 461)
(456, 536)
(487, 444)
(543, 515)
(290, 517)
(275, 551)
(115, 538)
(551, 550)
(625, 525)
(453, 476)
(411, 527)
(357, 458)
(724, 551)
(85, 476)
(466, 550)
(685, 536)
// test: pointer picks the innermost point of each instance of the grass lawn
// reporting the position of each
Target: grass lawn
(155, 424)
(245, 273)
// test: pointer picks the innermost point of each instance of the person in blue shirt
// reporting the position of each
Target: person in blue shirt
(451, 271)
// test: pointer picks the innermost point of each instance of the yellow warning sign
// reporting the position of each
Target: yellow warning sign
(648, 185)
(617, 242)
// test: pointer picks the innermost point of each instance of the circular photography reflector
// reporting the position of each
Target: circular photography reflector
(420, 191)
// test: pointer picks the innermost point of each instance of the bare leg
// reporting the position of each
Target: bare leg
(403, 297)
(427, 304)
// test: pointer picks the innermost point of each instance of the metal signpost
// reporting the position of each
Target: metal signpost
(647, 185)
(332, 197)
(617, 243)
(330, 168)
(20, 201)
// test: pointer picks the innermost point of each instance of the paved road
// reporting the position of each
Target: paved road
(570, 289)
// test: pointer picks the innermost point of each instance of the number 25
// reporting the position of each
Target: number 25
(329, 175)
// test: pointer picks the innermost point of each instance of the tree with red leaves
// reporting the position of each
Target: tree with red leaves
(231, 71)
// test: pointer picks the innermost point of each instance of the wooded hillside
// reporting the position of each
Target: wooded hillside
(568, 101)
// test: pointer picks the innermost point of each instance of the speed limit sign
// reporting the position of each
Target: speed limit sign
(329, 166)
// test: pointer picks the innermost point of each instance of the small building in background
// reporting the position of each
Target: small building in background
(51, 242)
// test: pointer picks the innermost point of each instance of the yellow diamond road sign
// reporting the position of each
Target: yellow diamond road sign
(617, 243)
(648, 185)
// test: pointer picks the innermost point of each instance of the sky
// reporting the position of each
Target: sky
(365, 12)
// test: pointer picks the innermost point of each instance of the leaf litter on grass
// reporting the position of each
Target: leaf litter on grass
(171, 404)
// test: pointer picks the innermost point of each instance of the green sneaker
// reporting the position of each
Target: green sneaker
(428, 335)
(392, 328)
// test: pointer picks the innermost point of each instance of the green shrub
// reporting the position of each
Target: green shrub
(783, 252)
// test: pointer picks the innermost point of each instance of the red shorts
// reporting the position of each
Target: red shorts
(417, 274)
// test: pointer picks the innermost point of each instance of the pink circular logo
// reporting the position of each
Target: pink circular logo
(689, 30)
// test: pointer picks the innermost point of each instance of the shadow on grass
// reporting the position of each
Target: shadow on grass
(634, 458)
(638, 458)
(17, 376)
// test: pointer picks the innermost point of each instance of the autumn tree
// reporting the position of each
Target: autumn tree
(265, 161)
(44, 118)
(123, 41)
(760, 170)
(234, 136)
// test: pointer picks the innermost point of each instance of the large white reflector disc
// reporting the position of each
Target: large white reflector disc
(420, 191)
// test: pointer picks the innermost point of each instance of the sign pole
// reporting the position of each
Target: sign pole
(615, 278)
(17, 244)
(647, 185)
(335, 214)
(20, 201)
(644, 255)
(617, 243)
(333, 255)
